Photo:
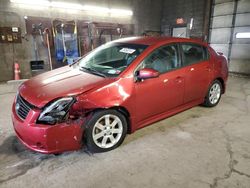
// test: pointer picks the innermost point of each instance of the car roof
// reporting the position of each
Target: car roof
(145, 40)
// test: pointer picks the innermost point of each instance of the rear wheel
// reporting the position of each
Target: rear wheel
(105, 131)
(214, 94)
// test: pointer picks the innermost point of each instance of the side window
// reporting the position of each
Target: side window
(193, 53)
(163, 59)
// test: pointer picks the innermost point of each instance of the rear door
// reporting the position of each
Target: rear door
(195, 62)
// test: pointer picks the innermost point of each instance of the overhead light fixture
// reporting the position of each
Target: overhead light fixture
(98, 9)
(95, 8)
(243, 35)
(121, 12)
(32, 2)
(75, 6)
(66, 5)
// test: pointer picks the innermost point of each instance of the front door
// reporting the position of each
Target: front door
(161, 94)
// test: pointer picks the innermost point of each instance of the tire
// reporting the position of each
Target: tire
(213, 94)
(105, 131)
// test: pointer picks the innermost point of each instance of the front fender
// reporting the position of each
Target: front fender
(119, 93)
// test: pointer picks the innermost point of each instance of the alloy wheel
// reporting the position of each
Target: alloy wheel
(214, 93)
(107, 131)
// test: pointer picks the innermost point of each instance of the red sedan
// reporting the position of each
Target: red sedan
(116, 89)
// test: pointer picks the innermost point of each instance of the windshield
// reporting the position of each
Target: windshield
(111, 59)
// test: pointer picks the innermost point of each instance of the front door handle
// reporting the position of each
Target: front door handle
(208, 69)
(179, 79)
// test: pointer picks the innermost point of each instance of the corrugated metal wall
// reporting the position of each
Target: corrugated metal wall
(230, 17)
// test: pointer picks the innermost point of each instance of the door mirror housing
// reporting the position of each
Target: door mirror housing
(147, 73)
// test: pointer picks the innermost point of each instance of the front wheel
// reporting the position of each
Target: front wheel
(105, 130)
(214, 94)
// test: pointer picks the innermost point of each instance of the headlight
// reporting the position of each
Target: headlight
(56, 111)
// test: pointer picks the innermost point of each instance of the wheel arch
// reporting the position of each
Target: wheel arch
(126, 114)
(222, 83)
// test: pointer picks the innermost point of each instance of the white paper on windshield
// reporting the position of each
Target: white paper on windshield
(127, 50)
(112, 71)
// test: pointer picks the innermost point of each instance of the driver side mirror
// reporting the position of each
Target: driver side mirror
(147, 73)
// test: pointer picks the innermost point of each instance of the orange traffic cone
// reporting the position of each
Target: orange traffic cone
(17, 71)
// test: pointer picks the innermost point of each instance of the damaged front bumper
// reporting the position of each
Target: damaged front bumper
(42, 138)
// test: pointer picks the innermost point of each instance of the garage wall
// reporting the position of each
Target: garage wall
(147, 16)
(228, 18)
(197, 9)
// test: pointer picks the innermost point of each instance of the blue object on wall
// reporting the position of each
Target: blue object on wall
(66, 47)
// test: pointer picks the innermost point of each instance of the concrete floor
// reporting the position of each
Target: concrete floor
(201, 147)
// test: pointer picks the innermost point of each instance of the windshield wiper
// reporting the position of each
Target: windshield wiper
(93, 71)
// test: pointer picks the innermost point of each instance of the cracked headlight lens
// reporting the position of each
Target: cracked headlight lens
(56, 111)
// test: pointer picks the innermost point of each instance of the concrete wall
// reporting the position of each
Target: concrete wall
(147, 16)
(230, 17)
(195, 9)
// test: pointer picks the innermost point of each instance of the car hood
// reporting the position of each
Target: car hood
(65, 81)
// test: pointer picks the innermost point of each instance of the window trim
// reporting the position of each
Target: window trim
(205, 49)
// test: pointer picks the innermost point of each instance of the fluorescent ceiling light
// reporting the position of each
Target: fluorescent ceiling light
(245, 35)
(95, 9)
(63, 5)
(32, 2)
(66, 5)
(121, 12)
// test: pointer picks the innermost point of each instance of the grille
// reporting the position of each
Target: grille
(22, 107)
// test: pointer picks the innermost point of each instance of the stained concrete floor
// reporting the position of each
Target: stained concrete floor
(198, 148)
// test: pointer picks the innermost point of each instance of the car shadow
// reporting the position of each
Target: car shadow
(12, 146)
(168, 124)
(16, 159)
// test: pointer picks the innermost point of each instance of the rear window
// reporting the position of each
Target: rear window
(193, 53)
